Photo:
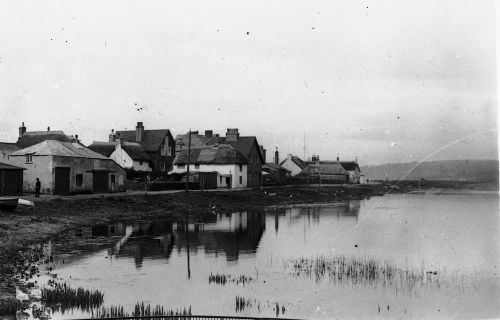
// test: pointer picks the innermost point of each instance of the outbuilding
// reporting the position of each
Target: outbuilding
(65, 167)
(11, 180)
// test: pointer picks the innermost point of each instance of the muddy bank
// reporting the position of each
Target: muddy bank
(30, 226)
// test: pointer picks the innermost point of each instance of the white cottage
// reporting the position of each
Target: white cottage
(129, 155)
(231, 166)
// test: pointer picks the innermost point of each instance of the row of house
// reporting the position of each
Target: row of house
(65, 165)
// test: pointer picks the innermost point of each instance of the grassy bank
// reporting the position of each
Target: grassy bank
(29, 226)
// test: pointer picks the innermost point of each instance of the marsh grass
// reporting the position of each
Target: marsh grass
(140, 310)
(62, 296)
(242, 303)
(222, 279)
(368, 271)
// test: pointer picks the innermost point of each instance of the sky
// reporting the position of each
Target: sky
(384, 81)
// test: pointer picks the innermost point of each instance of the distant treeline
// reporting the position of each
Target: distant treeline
(454, 170)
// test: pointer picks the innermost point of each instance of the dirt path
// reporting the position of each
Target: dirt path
(28, 226)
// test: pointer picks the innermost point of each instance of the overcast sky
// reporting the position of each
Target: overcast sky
(387, 81)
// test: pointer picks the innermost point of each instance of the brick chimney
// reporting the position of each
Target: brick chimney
(139, 132)
(276, 157)
(112, 135)
(338, 159)
(209, 134)
(48, 129)
(263, 152)
(232, 135)
(22, 130)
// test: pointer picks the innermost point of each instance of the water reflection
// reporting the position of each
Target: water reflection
(167, 260)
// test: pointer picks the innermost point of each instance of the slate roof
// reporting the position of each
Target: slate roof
(58, 148)
(133, 149)
(243, 145)
(221, 154)
(301, 164)
(151, 139)
(5, 166)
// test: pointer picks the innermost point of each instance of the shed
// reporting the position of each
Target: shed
(11, 180)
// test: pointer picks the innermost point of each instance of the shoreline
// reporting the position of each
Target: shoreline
(50, 217)
(26, 227)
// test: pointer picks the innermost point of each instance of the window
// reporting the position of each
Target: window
(169, 151)
(79, 180)
(220, 179)
(113, 178)
(163, 149)
(196, 165)
(29, 158)
(241, 180)
(180, 166)
(140, 162)
(241, 167)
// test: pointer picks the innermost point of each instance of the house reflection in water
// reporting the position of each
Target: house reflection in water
(232, 234)
(345, 210)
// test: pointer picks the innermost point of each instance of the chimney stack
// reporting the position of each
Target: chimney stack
(232, 135)
(48, 129)
(22, 130)
(209, 134)
(338, 159)
(112, 136)
(76, 138)
(276, 157)
(139, 132)
(263, 153)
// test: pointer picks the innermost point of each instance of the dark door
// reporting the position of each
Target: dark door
(228, 182)
(99, 182)
(61, 185)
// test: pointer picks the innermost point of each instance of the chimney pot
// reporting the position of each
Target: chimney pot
(48, 128)
(276, 157)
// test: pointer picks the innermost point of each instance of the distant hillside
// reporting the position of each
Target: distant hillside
(457, 170)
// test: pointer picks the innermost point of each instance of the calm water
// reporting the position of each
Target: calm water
(159, 262)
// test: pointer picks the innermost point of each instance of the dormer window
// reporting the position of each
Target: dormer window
(29, 158)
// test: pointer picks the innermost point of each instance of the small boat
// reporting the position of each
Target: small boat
(24, 202)
(8, 203)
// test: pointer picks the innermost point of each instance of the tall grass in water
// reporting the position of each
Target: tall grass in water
(363, 270)
(63, 297)
(222, 279)
(140, 310)
(242, 303)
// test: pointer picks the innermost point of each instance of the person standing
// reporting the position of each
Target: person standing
(38, 186)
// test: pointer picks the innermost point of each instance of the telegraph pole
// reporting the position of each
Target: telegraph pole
(188, 160)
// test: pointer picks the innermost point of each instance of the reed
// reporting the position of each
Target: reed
(242, 303)
(363, 270)
(141, 309)
(63, 297)
(222, 279)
